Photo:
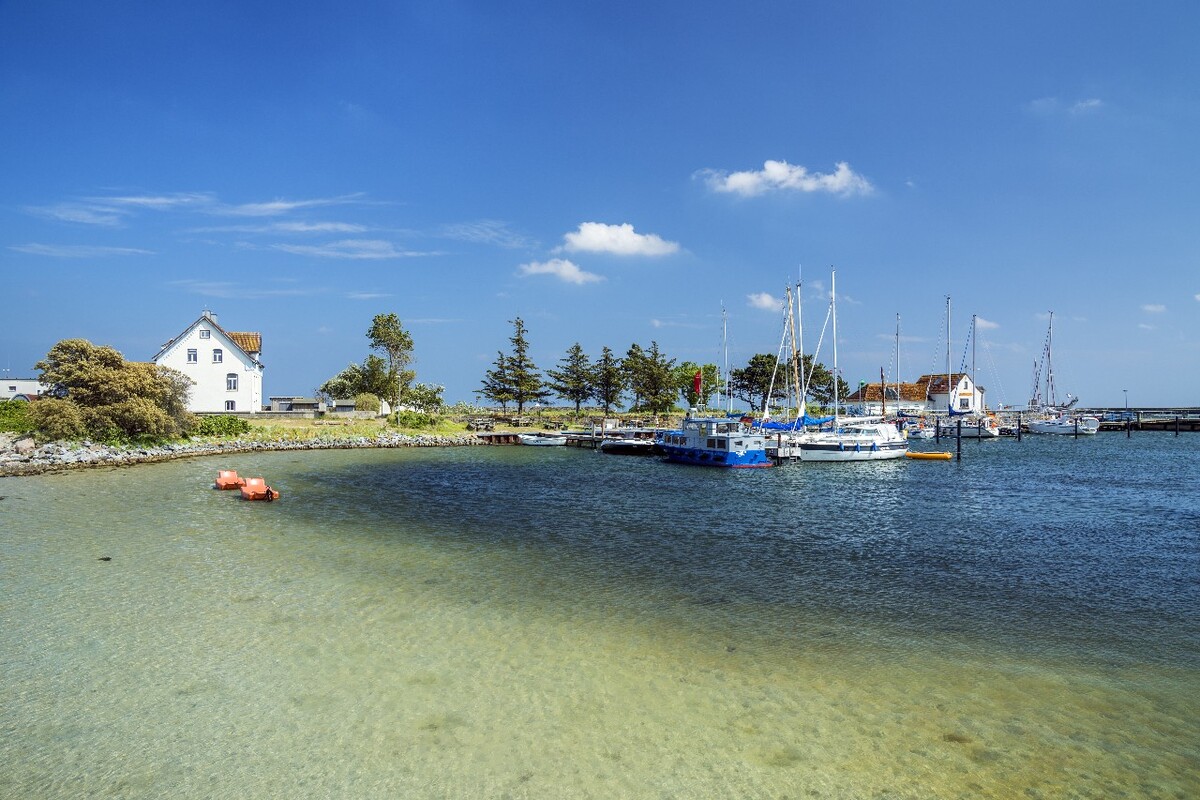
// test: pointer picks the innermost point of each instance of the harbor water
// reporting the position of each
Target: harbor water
(547, 622)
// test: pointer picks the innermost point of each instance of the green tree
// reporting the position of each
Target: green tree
(424, 397)
(115, 399)
(387, 335)
(820, 381)
(573, 382)
(497, 386)
(685, 381)
(608, 380)
(651, 378)
(634, 367)
(524, 378)
(369, 377)
(753, 383)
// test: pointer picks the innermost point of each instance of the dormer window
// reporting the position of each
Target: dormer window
(205, 333)
(218, 355)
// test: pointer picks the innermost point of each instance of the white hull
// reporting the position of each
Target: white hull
(542, 441)
(1065, 427)
(880, 442)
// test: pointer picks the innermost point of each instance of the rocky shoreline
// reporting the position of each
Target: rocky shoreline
(20, 455)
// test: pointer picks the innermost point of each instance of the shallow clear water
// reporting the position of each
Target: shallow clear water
(547, 622)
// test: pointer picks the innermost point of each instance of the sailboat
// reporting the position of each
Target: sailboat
(857, 440)
(1057, 418)
(976, 423)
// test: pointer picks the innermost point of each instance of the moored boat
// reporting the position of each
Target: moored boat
(715, 442)
(855, 441)
(627, 445)
(1065, 425)
(542, 439)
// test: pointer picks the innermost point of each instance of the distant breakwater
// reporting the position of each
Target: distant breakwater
(21, 456)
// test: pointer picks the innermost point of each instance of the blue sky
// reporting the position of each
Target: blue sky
(612, 173)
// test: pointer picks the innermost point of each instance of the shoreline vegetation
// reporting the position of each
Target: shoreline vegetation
(21, 454)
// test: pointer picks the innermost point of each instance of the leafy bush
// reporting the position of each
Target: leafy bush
(14, 416)
(57, 419)
(221, 425)
(365, 401)
(413, 419)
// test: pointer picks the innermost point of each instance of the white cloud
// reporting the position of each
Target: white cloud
(366, 295)
(986, 325)
(1197, 296)
(369, 249)
(1086, 106)
(765, 301)
(622, 240)
(1145, 327)
(782, 176)
(274, 208)
(159, 202)
(241, 290)
(560, 268)
(1154, 308)
(78, 250)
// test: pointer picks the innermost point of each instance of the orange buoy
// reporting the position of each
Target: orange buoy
(228, 479)
(929, 456)
(257, 489)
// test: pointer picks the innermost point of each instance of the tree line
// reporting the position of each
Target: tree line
(653, 382)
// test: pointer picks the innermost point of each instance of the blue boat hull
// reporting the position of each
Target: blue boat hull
(717, 458)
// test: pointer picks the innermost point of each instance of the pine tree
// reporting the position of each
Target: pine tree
(574, 381)
(524, 378)
(496, 384)
(608, 380)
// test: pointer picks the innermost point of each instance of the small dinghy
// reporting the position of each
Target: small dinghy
(228, 479)
(929, 455)
(257, 489)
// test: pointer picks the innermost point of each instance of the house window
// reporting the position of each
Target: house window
(218, 355)
(205, 333)
(230, 405)
(231, 381)
(964, 403)
(193, 357)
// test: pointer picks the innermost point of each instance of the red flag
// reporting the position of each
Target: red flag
(696, 379)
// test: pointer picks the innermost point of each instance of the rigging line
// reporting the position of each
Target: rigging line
(987, 352)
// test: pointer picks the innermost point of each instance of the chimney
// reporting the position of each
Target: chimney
(210, 315)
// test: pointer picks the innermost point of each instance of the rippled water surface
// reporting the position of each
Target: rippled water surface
(552, 623)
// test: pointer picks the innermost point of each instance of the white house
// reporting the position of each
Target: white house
(223, 364)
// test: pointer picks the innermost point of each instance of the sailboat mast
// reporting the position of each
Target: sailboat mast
(973, 389)
(949, 395)
(725, 348)
(833, 306)
(1050, 398)
(897, 363)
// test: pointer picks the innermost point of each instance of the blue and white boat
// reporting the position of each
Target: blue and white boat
(715, 442)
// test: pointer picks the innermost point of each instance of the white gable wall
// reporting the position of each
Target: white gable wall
(212, 392)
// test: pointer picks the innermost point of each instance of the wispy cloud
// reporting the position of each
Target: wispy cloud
(560, 268)
(1143, 326)
(78, 250)
(1153, 308)
(158, 202)
(488, 231)
(358, 249)
(780, 176)
(1197, 296)
(274, 208)
(285, 227)
(621, 240)
(1051, 106)
(242, 290)
(84, 214)
(986, 324)
(366, 295)
(765, 301)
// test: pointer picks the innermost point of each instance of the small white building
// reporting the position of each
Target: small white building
(224, 365)
(21, 388)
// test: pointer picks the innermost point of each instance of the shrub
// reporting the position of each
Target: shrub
(221, 425)
(57, 419)
(14, 416)
(413, 419)
(366, 402)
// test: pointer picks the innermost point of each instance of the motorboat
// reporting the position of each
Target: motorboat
(627, 445)
(542, 439)
(1068, 425)
(715, 442)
